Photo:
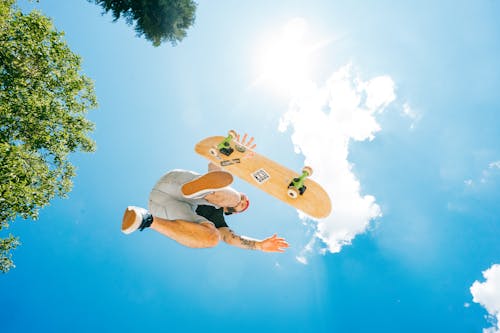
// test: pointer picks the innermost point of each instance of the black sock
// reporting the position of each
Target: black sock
(147, 219)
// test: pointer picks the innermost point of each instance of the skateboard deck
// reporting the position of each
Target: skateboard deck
(266, 175)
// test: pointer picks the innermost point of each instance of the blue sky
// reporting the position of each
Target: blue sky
(394, 104)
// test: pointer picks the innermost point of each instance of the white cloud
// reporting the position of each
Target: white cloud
(487, 294)
(412, 114)
(486, 174)
(302, 259)
(323, 121)
(494, 165)
(379, 92)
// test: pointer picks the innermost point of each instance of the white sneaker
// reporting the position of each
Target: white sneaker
(135, 218)
(209, 182)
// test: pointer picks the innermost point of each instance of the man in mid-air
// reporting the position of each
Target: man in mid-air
(189, 208)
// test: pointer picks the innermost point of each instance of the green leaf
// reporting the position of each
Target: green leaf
(43, 103)
(158, 20)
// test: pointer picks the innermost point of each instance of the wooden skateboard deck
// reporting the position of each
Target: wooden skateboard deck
(266, 175)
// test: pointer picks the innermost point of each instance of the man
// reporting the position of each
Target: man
(190, 208)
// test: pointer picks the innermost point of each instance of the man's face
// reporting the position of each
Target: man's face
(241, 206)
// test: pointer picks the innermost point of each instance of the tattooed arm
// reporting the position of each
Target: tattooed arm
(271, 244)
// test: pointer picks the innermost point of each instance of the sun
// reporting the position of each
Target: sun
(283, 60)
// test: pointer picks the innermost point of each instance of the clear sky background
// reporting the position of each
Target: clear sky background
(394, 104)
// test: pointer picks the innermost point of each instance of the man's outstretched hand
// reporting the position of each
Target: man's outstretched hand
(244, 142)
(249, 146)
(273, 244)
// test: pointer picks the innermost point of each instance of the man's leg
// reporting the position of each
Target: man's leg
(191, 234)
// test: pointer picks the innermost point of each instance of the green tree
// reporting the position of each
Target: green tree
(157, 20)
(43, 103)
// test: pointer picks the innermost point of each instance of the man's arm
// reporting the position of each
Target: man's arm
(271, 244)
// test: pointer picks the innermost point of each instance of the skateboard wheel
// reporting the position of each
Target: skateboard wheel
(308, 170)
(233, 134)
(293, 193)
(213, 152)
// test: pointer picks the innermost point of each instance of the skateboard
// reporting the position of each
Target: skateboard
(293, 188)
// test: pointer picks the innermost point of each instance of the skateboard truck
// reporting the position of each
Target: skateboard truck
(296, 186)
(225, 146)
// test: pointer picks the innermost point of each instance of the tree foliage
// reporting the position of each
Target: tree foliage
(157, 20)
(43, 103)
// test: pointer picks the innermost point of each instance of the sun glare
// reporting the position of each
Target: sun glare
(283, 60)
